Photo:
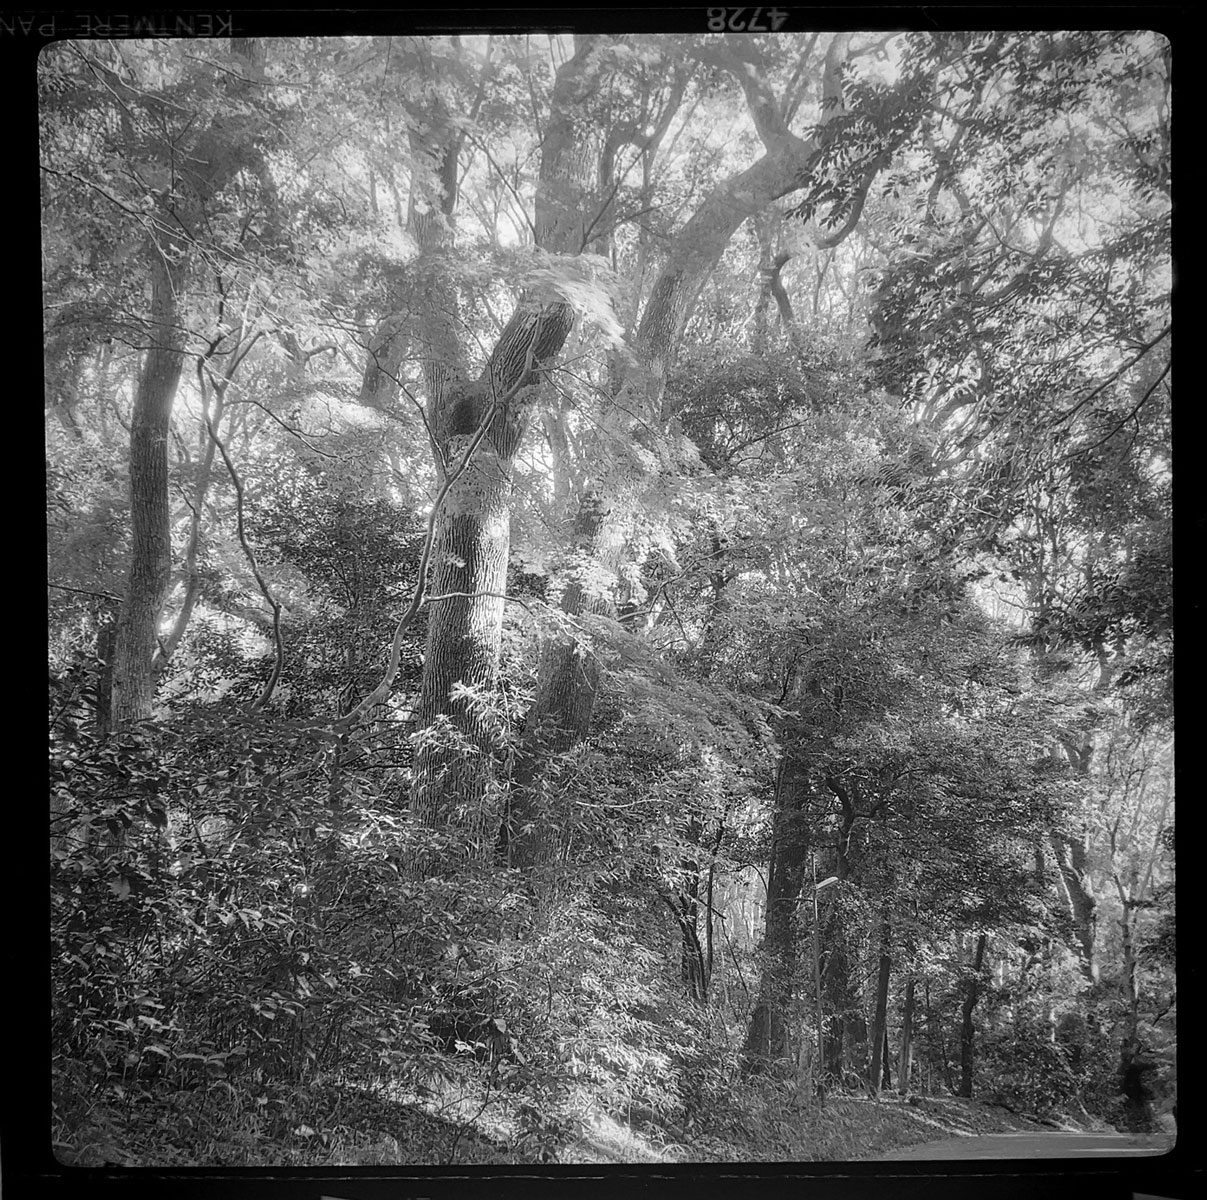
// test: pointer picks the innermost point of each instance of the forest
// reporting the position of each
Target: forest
(610, 595)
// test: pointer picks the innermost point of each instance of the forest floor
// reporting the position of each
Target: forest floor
(341, 1124)
(844, 1129)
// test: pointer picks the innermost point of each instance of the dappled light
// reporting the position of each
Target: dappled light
(610, 597)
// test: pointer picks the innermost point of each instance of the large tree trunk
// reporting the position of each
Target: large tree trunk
(453, 771)
(567, 675)
(1070, 855)
(150, 573)
(453, 779)
(972, 992)
(769, 1037)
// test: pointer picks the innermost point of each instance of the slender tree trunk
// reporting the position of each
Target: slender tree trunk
(150, 572)
(693, 968)
(205, 169)
(691, 957)
(905, 1057)
(106, 638)
(769, 1036)
(387, 349)
(192, 577)
(972, 992)
(772, 263)
(937, 1039)
(880, 1021)
(709, 899)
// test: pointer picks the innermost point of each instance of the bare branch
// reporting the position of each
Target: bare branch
(279, 661)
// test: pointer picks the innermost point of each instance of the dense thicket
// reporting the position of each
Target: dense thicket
(604, 576)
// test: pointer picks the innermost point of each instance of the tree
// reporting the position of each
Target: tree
(621, 505)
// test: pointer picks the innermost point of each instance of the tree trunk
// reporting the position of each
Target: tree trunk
(205, 169)
(192, 577)
(972, 991)
(905, 1057)
(453, 770)
(847, 1041)
(1071, 854)
(935, 1034)
(694, 970)
(691, 956)
(846, 1045)
(880, 1021)
(386, 350)
(106, 637)
(1137, 1071)
(1083, 908)
(771, 264)
(453, 779)
(769, 1036)
(453, 756)
(150, 572)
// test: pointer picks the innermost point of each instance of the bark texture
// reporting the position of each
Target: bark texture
(905, 1055)
(1070, 855)
(206, 164)
(150, 573)
(454, 779)
(454, 769)
(972, 993)
(769, 1037)
(879, 1065)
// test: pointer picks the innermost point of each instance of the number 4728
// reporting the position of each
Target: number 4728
(735, 21)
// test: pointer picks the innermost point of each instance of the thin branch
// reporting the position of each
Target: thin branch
(293, 430)
(62, 587)
(275, 675)
(1143, 401)
(475, 596)
(1127, 366)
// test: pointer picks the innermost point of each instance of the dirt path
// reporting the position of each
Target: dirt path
(1032, 1145)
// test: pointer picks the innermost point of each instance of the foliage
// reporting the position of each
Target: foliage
(882, 593)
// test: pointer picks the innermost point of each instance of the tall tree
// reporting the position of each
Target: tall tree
(638, 418)
(478, 427)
